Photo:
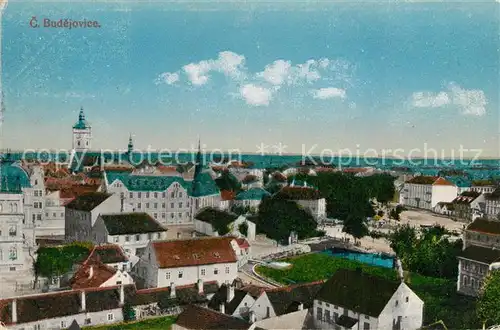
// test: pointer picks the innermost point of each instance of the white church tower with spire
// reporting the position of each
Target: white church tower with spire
(82, 133)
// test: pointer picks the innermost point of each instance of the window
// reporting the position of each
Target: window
(87, 321)
(156, 195)
(13, 253)
(366, 326)
(216, 271)
(227, 270)
(171, 205)
(131, 195)
(407, 299)
(367, 317)
(139, 195)
(171, 215)
(163, 195)
(147, 205)
(13, 231)
(63, 324)
(319, 314)
(139, 205)
(180, 205)
(163, 215)
(167, 275)
(155, 205)
(39, 217)
(203, 272)
(335, 316)
(116, 239)
(397, 303)
(127, 238)
(12, 269)
(180, 274)
(163, 205)
(172, 194)
(147, 195)
(111, 317)
(38, 326)
(180, 194)
(327, 316)
(155, 215)
(327, 304)
(180, 215)
(138, 237)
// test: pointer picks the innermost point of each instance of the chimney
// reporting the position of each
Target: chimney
(222, 308)
(300, 307)
(229, 292)
(200, 286)
(82, 301)
(91, 272)
(252, 317)
(14, 311)
(122, 295)
(172, 290)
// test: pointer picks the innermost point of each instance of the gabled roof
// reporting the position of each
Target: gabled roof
(204, 185)
(255, 194)
(242, 243)
(88, 201)
(201, 318)
(358, 291)
(422, 179)
(220, 297)
(91, 274)
(285, 298)
(466, 197)
(443, 182)
(131, 223)
(485, 226)
(481, 254)
(192, 252)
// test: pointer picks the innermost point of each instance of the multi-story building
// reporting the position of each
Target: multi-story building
(16, 235)
(169, 199)
(483, 186)
(468, 206)
(307, 197)
(426, 192)
(481, 250)
(81, 214)
(492, 204)
(352, 299)
(181, 262)
(132, 231)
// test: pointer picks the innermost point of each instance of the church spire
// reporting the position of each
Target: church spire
(130, 146)
(81, 117)
(199, 161)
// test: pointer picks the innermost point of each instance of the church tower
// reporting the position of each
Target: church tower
(130, 146)
(82, 133)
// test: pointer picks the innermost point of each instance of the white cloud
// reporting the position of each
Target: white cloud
(168, 78)
(276, 73)
(256, 95)
(430, 100)
(470, 102)
(228, 63)
(328, 93)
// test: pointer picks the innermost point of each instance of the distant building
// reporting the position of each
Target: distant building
(95, 274)
(481, 250)
(426, 192)
(81, 214)
(111, 255)
(132, 231)
(251, 198)
(307, 197)
(182, 262)
(82, 133)
(468, 206)
(492, 207)
(352, 299)
(206, 221)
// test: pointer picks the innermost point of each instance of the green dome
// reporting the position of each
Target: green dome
(13, 177)
(81, 123)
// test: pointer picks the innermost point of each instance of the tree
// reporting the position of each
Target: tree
(128, 312)
(355, 225)
(227, 181)
(488, 303)
(277, 218)
(243, 228)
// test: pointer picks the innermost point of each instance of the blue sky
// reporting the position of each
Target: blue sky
(380, 76)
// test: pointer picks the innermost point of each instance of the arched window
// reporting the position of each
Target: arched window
(87, 143)
(13, 253)
(15, 208)
(11, 208)
(78, 143)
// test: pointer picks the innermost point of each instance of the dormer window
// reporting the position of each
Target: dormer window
(196, 256)
(216, 254)
(176, 257)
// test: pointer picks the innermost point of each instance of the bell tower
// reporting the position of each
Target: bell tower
(82, 133)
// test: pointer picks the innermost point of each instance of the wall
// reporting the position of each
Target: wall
(119, 276)
(335, 312)
(191, 274)
(204, 228)
(443, 194)
(263, 308)
(97, 318)
(471, 276)
(404, 303)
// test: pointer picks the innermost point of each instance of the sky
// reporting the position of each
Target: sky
(293, 77)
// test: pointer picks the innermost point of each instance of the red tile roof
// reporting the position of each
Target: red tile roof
(92, 274)
(109, 253)
(227, 195)
(442, 182)
(242, 243)
(192, 252)
(196, 317)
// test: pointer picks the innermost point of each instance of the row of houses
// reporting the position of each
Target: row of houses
(455, 197)
(350, 299)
